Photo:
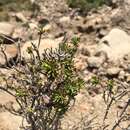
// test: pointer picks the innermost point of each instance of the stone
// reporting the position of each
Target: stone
(10, 51)
(116, 44)
(33, 26)
(65, 22)
(20, 17)
(9, 121)
(65, 19)
(7, 98)
(44, 44)
(95, 62)
(102, 33)
(6, 28)
(128, 128)
(121, 74)
(128, 78)
(113, 71)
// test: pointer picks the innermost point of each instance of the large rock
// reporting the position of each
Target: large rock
(116, 44)
(44, 44)
(9, 121)
(9, 52)
(6, 28)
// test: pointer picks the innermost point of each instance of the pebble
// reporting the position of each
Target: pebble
(95, 62)
(128, 78)
(121, 74)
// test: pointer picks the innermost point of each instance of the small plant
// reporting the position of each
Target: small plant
(95, 80)
(86, 5)
(45, 85)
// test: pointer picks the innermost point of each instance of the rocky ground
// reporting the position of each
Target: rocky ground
(103, 55)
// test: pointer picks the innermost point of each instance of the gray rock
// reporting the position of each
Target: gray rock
(113, 71)
(128, 128)
(116, 44)
(65, 19)
(65, 22)
(95, 62)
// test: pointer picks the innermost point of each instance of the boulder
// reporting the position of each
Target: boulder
(116, 44)
(9, 121)
(44, 44)
(6, 28)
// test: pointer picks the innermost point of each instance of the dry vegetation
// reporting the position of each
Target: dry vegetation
(70, 86)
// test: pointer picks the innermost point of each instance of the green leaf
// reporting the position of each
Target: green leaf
(29, 50)
(20, 93)
(95, 80)
(75, 40)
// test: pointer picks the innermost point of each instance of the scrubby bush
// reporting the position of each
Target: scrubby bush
(86, 5)
(45, 85)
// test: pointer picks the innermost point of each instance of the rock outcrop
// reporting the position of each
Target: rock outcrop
(116, 44)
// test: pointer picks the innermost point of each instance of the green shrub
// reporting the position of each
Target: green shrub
(86, 5)
(44, 86)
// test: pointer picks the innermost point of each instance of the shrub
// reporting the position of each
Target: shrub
(86, 5)
(44, 86)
